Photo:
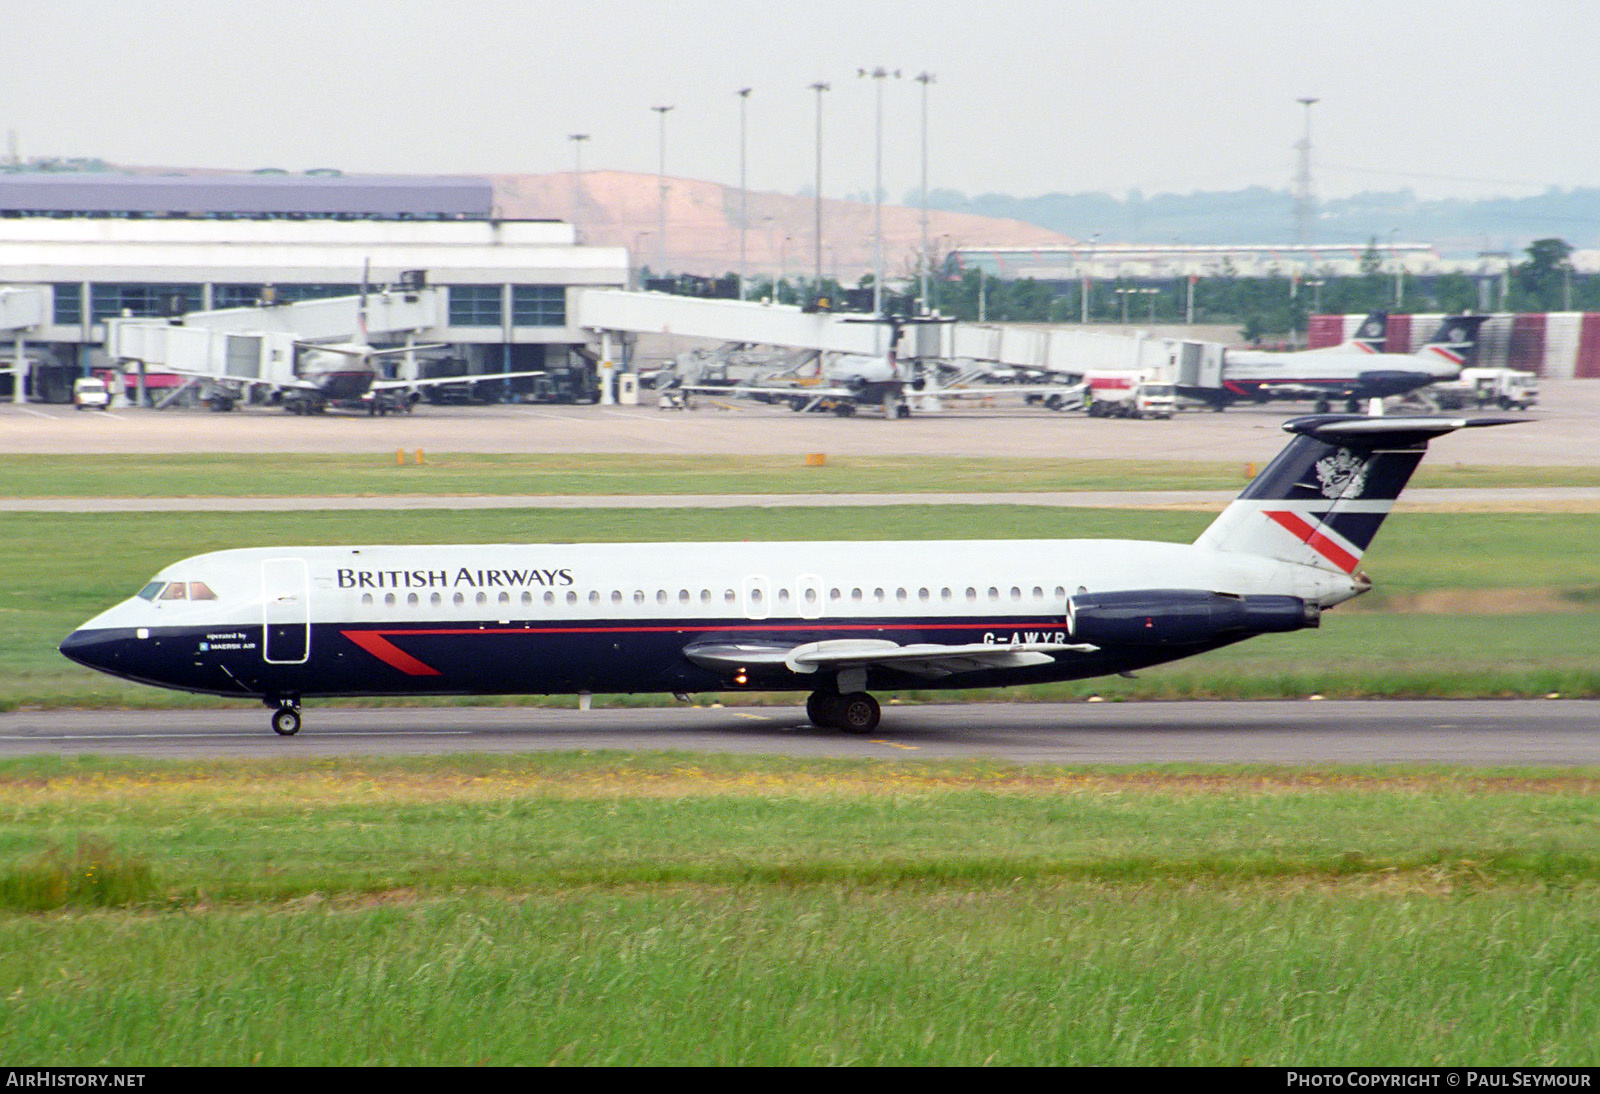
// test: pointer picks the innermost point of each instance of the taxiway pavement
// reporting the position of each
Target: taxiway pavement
(1499, 733)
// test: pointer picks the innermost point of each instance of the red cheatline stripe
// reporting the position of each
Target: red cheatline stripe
(1312, 537)
(389, 653)
(377, 644)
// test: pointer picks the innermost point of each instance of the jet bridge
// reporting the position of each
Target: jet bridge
(1040, 349)
(608, 310)
(21, 310)
(258, 344)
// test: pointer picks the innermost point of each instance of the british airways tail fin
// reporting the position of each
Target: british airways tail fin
(1456, 340)
(1320, 501)
(1372, 332)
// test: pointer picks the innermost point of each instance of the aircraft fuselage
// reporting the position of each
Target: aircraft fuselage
(534, 619)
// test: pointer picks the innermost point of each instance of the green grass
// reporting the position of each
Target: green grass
(660, 909)
(229, 475)
(56, 570)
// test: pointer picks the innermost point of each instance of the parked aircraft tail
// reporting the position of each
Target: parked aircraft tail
(1372, 333)
(1320, 502)
(1456, 339)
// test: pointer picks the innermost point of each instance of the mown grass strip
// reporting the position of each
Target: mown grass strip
(232, 475)
(240, 833)
(549, 909)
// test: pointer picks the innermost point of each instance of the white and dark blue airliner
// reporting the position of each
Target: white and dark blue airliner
(838, 620)
(1355, 371)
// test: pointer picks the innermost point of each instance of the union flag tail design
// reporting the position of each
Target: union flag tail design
(1321, 501)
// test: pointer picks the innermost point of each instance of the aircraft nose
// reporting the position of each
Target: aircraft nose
(96, 649)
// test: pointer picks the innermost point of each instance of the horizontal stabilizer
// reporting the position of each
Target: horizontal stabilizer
(1365, 431)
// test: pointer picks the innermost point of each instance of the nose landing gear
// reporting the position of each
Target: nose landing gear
(286, 719)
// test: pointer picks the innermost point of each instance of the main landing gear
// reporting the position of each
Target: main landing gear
(286, 719)
(857, 712)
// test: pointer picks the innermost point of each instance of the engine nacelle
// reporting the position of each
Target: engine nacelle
(1182, 617)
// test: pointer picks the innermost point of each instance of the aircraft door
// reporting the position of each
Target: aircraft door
(286, 611)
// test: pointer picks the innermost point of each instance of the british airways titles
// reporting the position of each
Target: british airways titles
(437, 579)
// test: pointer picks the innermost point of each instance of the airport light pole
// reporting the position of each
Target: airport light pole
(1394, 254)
(744, 194)
(925, 78)
(819, 87)
(878, 75)
(577, 140)
(1304, 202)
(661, 190)
(1088, 260)
(635, 266)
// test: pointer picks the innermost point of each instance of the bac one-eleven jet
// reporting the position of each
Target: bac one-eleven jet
(838, 620)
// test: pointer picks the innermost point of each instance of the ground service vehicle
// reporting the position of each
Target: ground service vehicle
(1130, 395)
(91, 391)
(1506, 388)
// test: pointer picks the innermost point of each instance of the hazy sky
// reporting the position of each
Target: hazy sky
(1449, 97)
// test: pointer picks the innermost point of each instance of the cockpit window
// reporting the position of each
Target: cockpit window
(177, 590)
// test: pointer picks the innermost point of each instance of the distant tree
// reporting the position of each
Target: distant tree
(1371, 260)
(1540, 283)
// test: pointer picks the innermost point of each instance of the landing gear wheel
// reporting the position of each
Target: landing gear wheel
(857, 713)
(822, 709)
(286, 721)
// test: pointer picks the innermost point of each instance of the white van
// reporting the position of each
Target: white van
(91, 391)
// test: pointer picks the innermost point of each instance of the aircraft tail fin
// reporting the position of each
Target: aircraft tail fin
(1456, 340)
(1372, 333)
(1321, 500)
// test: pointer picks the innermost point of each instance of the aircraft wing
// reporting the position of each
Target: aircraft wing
(367, 351)
(985, 391)
(435, 381)
(929, 659)
(770, 392)
(293, 383)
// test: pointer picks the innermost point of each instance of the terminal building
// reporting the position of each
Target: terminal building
(102, 246)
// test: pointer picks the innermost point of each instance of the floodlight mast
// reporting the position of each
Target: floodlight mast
(878, 75)
(1304, 203)
(661, 189)
(577, 140)
(925, 78)
(744, 193)
(819, 87)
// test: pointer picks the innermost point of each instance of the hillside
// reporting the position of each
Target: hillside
(702, 225)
